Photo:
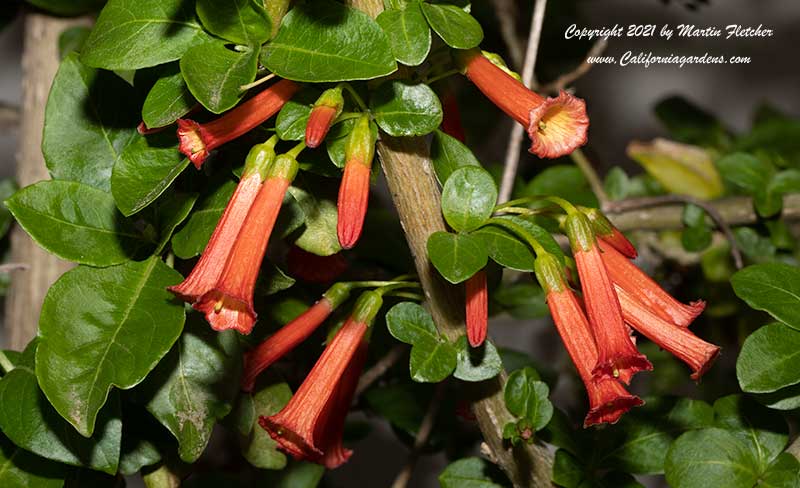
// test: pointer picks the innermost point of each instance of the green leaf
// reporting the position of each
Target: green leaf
(75, 222)
(194, 235)
(476, 363)
(296, 475)
(467, 473)
(765, 432)
(65, 7)
(565, 181)
(21, 469)
(71, 40)
(324, 40)
(432, 357)
(293, 117)
(568, 471)
(404, 109)
(522, 300)
(448, 154)
(784, 399)
(318, 235)
(408, 33)
(456, 256)
(745, 171)
(753, 245)
(101, 328)
(145, 170)
(457, 28)
(168, 100)
(244, 22)
(7, 189)
(616, 183)
(769, 201)
(539, 233)
(403, 405)
(710, 457)
(527, 397)
(169, 212)
(505, 249)
(697, 235)
(214, 74)
(784, 472)
(259, 449)
(133, 34)
(773, 288)
(468, 198)
(90, 119)
(194, 386)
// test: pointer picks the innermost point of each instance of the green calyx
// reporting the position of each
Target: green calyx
(361, 142)
(600, 223)
(367, 307)
(580, 233)
(285, 167)
(498, 61)
(333, 98)
(550, 273)
(338, 294)
(260, 158)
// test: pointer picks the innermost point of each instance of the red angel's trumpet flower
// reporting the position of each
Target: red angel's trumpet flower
(300, 428)
(327, 107)
(605, 230)
(291, 334)
(311, 268)
(354, 188)
(556, 126)
(209, 268)
(608, 400)
(477, 308)
(629, 277)
(617, 356)
(229, 304)
(679, 341)
(198, 140)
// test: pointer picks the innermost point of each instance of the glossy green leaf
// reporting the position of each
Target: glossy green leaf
(145, 170)
(467, 473)
(244, 22)
(168, 100)
(101, 328)
(318, 235)
(784, 399)
(505, 248)
(456, 256)
(72, 40)
(192, 238)
(75, 222)
(408, 33)
(476, 363)
(522, 300)
(404, 109)
(133, 34)
(527, 397)
(260, 449)
(538, 232)
(138, 451)
(769, 358)
(21, 469)
(293, 117)
(468, 198)
(710, 457)
(565, 181)
(432, 357)
(745, 171)
(214, 74)
(457, 28)
(90, 119)
(169, 212)
(773, 288)
(66, 7)
(784, 472)
(324, 40)
(30, 422)
(194, 386)
(765, 432)
(753, 245)
(448, 154)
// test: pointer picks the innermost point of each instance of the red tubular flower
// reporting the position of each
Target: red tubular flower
(209, 268)
(605, 230)
(477, 308)
(684, 345)
(291, 334)
(608, 400)
(556, 126)
(617, 356)
(327, 107)
(229, 304)
(198, 140)
(302, 427)
(630, 278)
(451, 116)
(354, 188)
(311, 268)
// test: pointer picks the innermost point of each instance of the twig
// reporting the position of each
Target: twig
(380, 368)
(517, 132)
(506, 12)
(8, 267)
(425, 429)
(567, 79)
(645, 202)
(583, 163)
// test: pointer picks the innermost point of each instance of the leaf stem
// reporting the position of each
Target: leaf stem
(442, 76)
(353, 93)
(5, 363)
(521, 232)
(582, 162)
(257, 82)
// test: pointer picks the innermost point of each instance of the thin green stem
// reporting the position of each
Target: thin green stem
(347, 116)
(295, 151)
(378, 284)
(392, 288)
(405, 294)
(521, 232)
(5, 363)
(257, 82)
(529, 211)
(353, 93)
(583, 163)
(442, 76)
(564, 204)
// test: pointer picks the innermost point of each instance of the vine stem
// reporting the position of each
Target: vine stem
(566, 79)
(380, 368)
(583, 164)
(528, 79)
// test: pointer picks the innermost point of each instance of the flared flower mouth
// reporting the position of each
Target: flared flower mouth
(192, 144)
(708, 361)
(558, 126)
(611, 411)
(622, 368)
(297, 445)
(224, 312)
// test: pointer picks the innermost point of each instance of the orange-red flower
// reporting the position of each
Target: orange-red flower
(306, 426)
(477, 308)
(198, 140)
(608, 233)
(617, 355)
(291, 334)
(209, 268)
(679, 341)
(229, 303)
(556, 126)
(451, 116)
(311, 268)
(630, 278)
(327, 107)
(354, 188)
(608, 399)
